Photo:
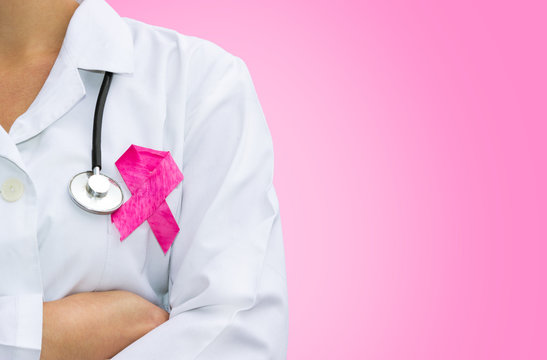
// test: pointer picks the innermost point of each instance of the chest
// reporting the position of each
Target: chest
(19, 87)
(69, 238)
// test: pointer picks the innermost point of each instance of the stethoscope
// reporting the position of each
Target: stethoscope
(91, 190)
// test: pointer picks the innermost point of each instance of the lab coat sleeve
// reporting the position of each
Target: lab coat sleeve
(228, 293)
(21, 326)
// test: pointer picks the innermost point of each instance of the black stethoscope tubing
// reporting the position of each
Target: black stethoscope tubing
(98, 121)
(90, 190)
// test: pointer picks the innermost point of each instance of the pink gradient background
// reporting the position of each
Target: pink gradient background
(410, 167)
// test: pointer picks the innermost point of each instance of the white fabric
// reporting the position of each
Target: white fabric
(223, 280)
(21, 316)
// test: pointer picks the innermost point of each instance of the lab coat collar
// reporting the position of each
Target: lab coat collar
(98, 38)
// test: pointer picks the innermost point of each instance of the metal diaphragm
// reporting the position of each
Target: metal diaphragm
(101, 195)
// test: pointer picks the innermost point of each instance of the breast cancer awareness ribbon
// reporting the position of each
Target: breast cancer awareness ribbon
(150, 175)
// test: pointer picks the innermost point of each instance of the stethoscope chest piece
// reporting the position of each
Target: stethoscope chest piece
(95, 192)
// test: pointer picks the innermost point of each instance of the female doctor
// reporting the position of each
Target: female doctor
(137, 212)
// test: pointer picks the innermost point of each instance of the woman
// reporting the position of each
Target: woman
(72, 284)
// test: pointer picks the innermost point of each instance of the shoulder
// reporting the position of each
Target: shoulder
(157, 42)
(190, 74)
(182, 62)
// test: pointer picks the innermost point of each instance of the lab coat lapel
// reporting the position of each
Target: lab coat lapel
(62, 89)
(97, 38)
(9, 151)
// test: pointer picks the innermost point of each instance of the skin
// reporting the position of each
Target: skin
(90, 325)
(31, 34)
(96, 325)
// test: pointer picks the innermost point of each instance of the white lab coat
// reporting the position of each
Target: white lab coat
(223, 280)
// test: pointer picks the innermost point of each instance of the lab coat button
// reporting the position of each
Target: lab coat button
(12, 190)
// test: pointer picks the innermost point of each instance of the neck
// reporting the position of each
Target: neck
(33, 28)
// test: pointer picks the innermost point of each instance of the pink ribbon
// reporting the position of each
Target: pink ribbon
(150, 175)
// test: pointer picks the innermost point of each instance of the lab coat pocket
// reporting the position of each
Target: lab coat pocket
(137, 263)
(125, 260)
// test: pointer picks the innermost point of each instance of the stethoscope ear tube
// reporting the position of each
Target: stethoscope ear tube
(98, 121)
